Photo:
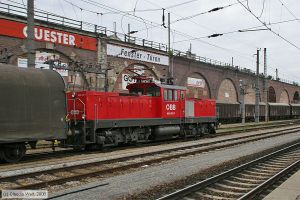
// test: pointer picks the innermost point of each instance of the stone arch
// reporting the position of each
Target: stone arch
(64, 56)
(284, 97)
(125, 76)
(227, 92)
(250, 96)
(73, 79)
(296, 98)
(272, 95)
(197, 86)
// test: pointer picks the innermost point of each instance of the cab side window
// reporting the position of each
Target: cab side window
(153, 91)
(166, 95)
(181, 94)
(175, 95)
(170, 95)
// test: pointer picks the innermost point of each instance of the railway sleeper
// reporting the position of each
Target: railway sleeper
(213, 197)
(282, 160)
(270, 166)
(232, 182)
(257, 177)
(257, 173)
(246, 180)
(232, 188)
(223, 193)
(263, 170)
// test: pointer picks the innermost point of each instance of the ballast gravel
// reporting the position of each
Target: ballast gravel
(121, 186)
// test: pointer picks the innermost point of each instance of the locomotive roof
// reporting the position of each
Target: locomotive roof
(278, 104)
(175, 87)
(295, 104)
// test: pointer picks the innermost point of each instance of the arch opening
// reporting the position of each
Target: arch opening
(227, 92)
(125, 77)
(197, 86)
(296, 98)
(284, 97)
(272, 95)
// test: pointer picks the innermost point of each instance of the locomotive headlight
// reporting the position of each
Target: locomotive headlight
(73, 94)
(83, 116)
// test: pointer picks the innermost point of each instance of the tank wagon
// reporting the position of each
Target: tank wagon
(32, 108)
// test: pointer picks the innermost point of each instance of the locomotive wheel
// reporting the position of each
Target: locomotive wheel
(13, 153)
(212, 130)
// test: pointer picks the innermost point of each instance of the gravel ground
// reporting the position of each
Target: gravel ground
(119, 187)
(101, 156)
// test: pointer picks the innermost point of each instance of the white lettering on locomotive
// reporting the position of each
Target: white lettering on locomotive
(171, 107)
(74, 112)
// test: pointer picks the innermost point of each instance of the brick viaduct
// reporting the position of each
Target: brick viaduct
(219, 81)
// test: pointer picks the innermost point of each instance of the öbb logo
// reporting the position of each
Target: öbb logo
(171, 107)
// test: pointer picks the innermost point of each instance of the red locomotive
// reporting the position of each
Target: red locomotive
(150, 111)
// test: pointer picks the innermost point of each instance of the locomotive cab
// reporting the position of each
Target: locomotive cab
(171, 97)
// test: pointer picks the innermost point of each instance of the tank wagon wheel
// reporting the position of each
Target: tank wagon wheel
(13, 153)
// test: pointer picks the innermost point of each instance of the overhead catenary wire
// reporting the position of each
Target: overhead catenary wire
(191, 19)
(289, 10)
(148, 21)
(194, 15)
(249, 29)
(173, 30)
(158, 9)
(202, 13)
(264, 24)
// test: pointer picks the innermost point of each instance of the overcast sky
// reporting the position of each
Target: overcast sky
(242, 46)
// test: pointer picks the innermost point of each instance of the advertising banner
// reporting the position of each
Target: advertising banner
(41, 58)
(19, 30)
(126, 80)
(195, 82)
(124, 52)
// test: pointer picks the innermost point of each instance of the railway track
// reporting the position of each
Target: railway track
(247, 181)
(46, 155)
(45, 177)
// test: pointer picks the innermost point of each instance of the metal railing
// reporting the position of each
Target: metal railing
(93, 28)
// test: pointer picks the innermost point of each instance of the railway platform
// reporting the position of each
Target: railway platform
(288, 190)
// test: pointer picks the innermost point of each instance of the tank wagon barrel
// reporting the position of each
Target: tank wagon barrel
(32, 108)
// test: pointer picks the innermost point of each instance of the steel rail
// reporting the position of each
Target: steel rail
(262, 187)
(100, 171)
(205, 183)
(239, 129)
(255, 137)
